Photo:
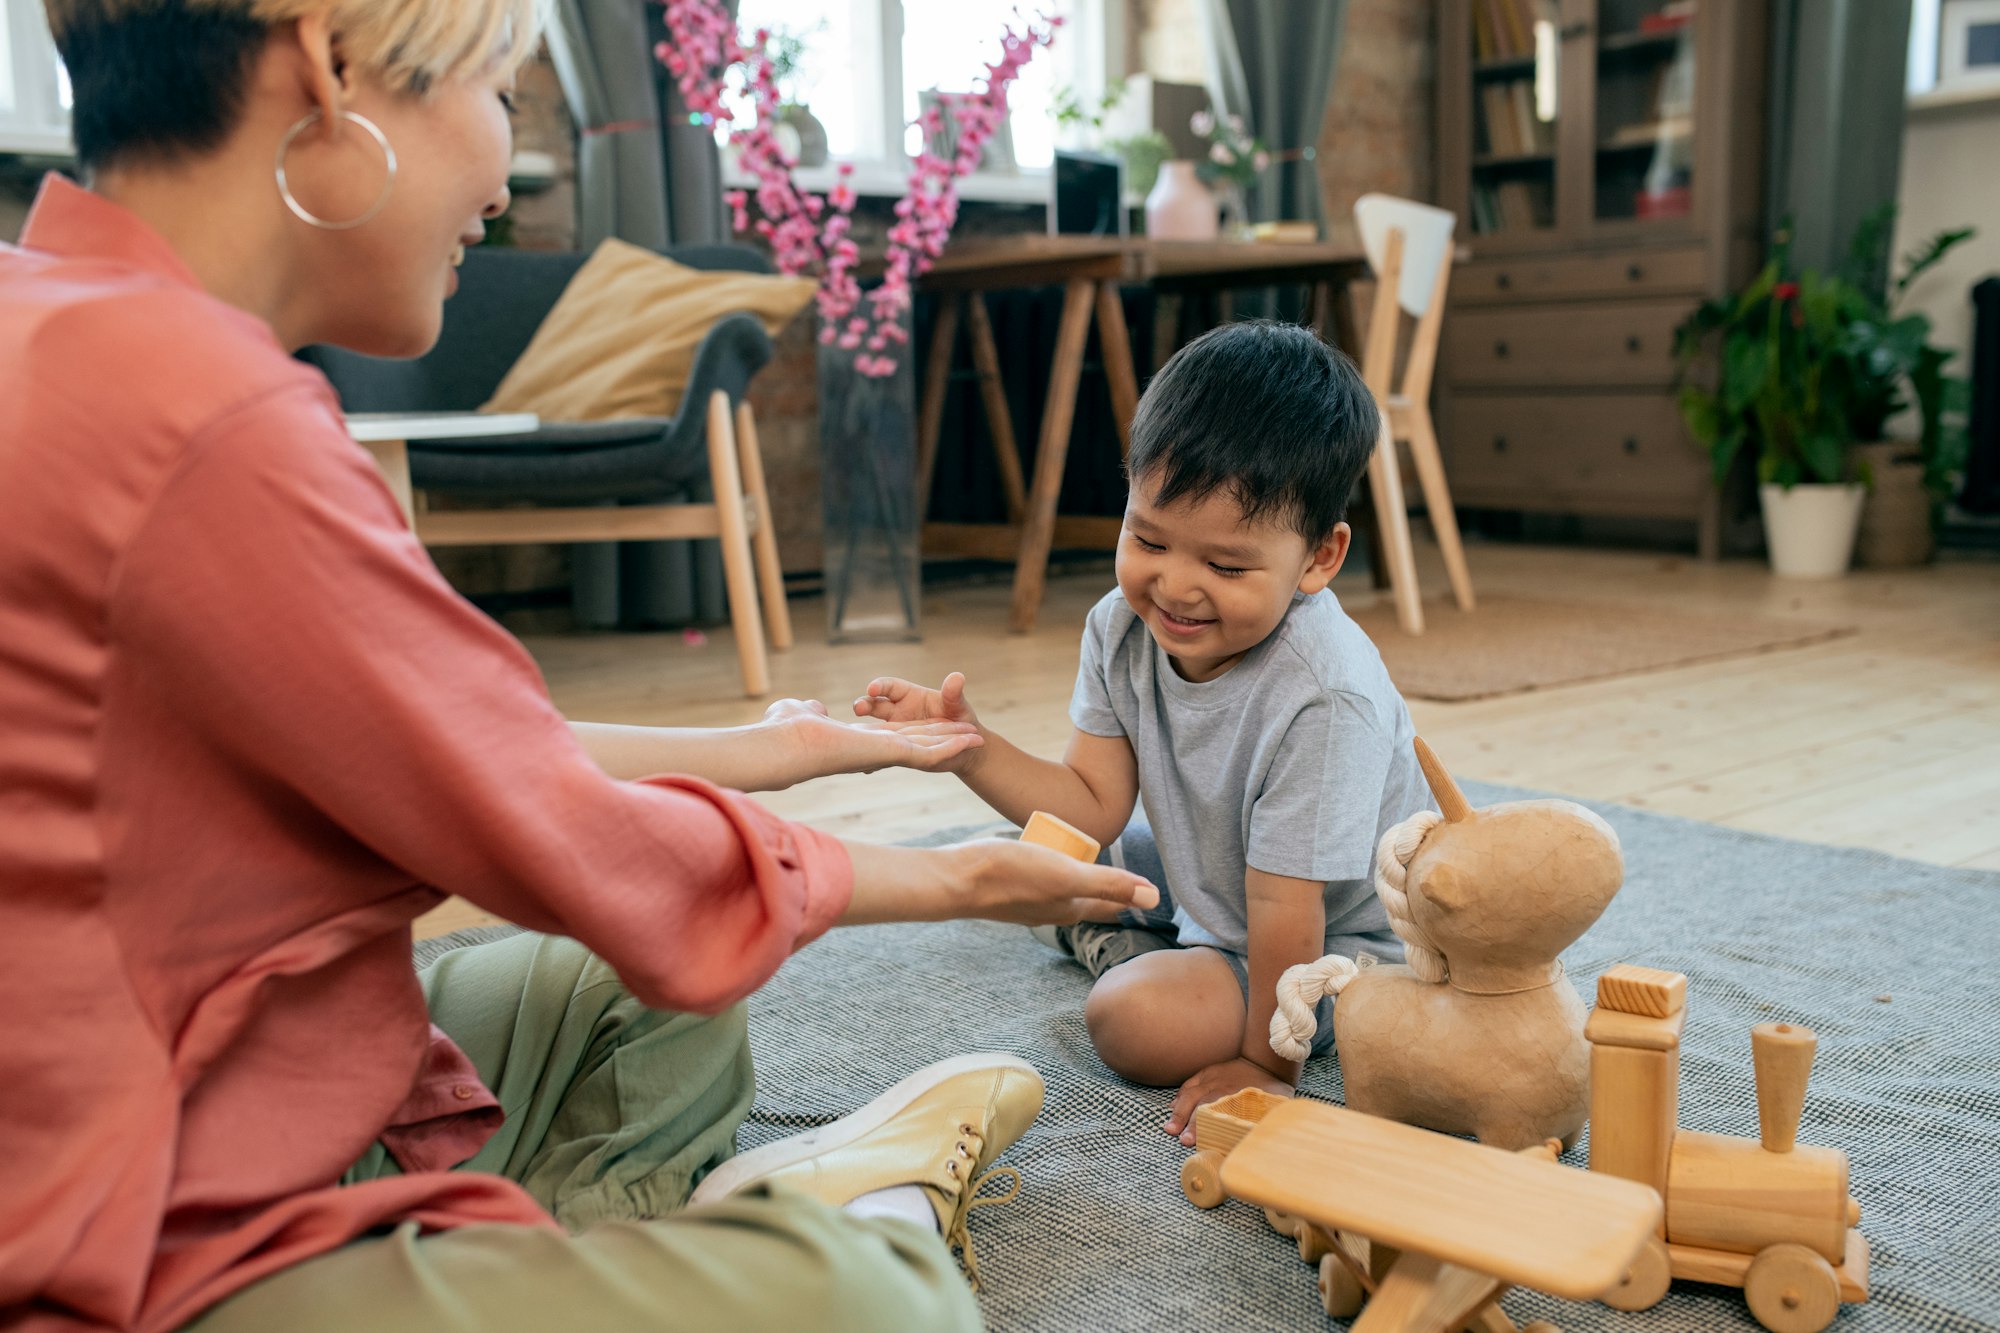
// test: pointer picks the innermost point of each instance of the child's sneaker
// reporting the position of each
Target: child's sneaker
(1101, 946)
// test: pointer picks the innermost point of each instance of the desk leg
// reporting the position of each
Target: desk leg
(393, 457)
(993, 393)
(930, 413)
(1117, 349)
(1032, 564)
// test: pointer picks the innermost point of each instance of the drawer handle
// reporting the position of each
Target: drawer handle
(1631, 444)
(1500, 349)
(1499, 444)
(1503, 281)
(1632, 343)
(1634, 273)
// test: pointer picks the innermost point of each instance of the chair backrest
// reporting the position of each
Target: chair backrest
(1426, 243)
(502, 298)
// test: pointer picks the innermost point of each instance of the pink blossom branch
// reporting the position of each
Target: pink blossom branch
(808, 234)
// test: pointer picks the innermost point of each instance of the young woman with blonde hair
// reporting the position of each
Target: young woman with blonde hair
(247, 735)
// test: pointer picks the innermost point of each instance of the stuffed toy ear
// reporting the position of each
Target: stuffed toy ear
(1446, 887)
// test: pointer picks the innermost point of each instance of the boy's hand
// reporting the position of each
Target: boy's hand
(891, 700)
(1215, 1083)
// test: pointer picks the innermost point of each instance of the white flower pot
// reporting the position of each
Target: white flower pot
(1810, 528)
(1180, 208)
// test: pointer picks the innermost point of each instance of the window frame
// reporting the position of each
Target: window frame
(37, 124)
(1097, 27)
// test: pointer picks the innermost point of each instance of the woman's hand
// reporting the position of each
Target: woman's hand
(996, 879)
(891, 700)
(1213, 1084)
(821, 746)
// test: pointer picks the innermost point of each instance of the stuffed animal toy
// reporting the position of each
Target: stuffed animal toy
(1479, 1032)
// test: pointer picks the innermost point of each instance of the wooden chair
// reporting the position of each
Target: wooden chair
(587, 481)
(1409, 247)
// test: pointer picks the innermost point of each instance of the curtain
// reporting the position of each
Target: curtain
(644, 175)
(1271, 62)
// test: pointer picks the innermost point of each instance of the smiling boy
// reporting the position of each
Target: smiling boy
(1221, 685)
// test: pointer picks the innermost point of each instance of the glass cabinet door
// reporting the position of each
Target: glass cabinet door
(1645, 109)
(1515, 82)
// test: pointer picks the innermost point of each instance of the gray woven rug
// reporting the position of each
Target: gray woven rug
(1891, 962)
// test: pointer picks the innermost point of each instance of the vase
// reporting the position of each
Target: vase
(1235, 221)
(868, 500)
(1896, 528)
(801, 133)
(1180, 207)
(1810, 527)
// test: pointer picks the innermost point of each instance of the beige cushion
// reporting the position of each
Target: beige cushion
(620, 341)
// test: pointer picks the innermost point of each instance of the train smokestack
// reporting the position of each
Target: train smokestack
(1782, 1054)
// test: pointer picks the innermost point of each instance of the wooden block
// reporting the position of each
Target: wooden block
(1634, 1104)
(1509, 1216)
(1612, 1027)
(1630, 989)
(1726, 1193)
(1045, 830)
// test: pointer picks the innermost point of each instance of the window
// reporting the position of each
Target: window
(868, 62)
(34, 91)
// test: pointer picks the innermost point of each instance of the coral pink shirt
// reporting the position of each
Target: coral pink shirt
(246, 735)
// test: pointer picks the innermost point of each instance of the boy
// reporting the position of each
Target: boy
(1221, 684)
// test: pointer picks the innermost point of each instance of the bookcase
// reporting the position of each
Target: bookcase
(1605, 159)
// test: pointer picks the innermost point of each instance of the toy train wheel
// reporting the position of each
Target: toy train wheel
(1280, 1222)
(1792, 1289)
(1339, 1290)
(1645, 1282)
(1201, 1178)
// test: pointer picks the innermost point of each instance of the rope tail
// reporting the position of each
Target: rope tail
(1294, 1023)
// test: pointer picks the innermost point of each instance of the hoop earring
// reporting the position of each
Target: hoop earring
(299, 210)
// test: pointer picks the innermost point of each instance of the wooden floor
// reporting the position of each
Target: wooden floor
(1889, 738)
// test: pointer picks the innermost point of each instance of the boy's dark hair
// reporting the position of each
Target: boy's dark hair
(1264, 411)
(156, 81)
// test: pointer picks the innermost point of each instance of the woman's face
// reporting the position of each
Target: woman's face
(382, 285)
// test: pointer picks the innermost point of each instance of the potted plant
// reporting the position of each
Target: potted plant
(1235, 159)
(799, 130)
(1803, 370)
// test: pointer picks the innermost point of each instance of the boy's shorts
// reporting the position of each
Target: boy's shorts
(1136, 851)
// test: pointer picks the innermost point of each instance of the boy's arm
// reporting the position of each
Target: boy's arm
(1287, 919)
(1093, 788)
(1287, 926)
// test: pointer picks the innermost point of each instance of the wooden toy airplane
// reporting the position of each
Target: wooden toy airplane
(1449, 1224)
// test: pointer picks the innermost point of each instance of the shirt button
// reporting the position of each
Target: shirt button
(465, 1092)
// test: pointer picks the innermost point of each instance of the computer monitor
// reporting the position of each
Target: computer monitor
(1087, 195)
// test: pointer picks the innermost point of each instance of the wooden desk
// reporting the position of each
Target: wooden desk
(1090, 270)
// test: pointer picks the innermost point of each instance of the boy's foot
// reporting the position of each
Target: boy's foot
(938, 1130)
(1101, 946)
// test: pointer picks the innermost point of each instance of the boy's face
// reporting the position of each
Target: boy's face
(1209, 586)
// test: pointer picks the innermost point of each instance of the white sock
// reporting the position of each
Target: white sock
(908, 1202)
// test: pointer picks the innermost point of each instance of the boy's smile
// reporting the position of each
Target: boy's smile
(1210, 586)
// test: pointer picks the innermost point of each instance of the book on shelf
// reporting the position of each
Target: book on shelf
(1500, 125)
(1511, 206)
(1504, 29)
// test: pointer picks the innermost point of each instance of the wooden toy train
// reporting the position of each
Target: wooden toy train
(1767, 1215)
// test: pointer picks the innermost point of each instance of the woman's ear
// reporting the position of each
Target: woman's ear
(1326, 560)
(323, 73)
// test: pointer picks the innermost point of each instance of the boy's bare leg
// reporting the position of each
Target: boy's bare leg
(1167, 1015)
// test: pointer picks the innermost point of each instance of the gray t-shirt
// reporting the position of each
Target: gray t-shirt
(1295, 761)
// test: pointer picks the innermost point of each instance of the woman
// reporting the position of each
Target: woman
(247, 734)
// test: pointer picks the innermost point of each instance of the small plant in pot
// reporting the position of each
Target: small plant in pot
(1803, 371)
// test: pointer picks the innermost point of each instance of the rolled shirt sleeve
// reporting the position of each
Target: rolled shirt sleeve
(278, 597)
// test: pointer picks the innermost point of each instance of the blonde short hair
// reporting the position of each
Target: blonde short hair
(409, 44)
(164, 78)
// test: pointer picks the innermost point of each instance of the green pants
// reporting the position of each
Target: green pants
(613, 1111)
